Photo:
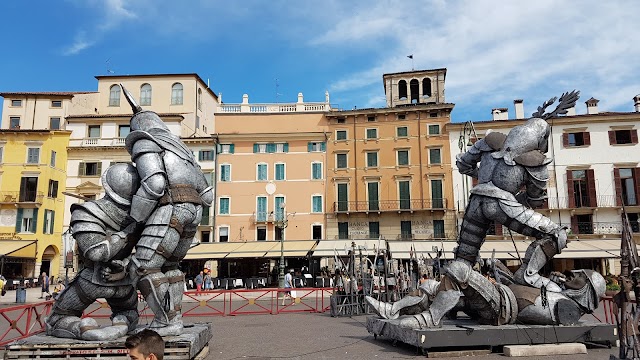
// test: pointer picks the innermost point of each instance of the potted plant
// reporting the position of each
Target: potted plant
(612, 289)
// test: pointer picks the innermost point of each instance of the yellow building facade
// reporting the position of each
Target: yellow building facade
(33, 172)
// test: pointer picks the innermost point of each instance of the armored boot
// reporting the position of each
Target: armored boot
(155, 289)
(63, 326)
(174, 303)
(538, 254)
(431, 317)
(392, 310)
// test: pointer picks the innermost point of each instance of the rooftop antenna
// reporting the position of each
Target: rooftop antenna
(109, 71)
(277, 93)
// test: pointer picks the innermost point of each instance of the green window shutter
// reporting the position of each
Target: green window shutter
(81, 169)
(286, 147)
(53, 218)
(19, 221)
(34, 223)
(255, 148)
(310, 147)
(271, 148)
(200, 155)
(218, 148)
(232, 148)
(99, 168)
(44, 223)
(323, 146)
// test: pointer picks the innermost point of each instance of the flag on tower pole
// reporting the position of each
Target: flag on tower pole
(411, 57)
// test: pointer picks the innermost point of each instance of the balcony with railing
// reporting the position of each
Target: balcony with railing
(389, 205)
(97, 142)
(577, 202)
(25, 197)
(601, 228)
(299, 106)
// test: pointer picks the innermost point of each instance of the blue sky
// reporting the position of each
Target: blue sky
(495, 51)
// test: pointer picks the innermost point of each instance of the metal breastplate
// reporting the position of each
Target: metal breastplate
(508, 178)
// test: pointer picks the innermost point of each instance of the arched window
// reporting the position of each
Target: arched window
(145, 94)
(199, 99)
(114, 95)
(426, 87)
(414, 86)
(402, 90)
(176, 94)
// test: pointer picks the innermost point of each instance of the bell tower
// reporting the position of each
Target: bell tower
(414, 87)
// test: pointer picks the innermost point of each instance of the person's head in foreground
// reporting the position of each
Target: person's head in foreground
(145, 345)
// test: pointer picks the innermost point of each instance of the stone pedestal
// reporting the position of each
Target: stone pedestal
(469, 334)
(191, 344)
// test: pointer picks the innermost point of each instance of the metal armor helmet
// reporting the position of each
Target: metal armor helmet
(141, 119)
(597, 281)
(530, 137)
(121, 181)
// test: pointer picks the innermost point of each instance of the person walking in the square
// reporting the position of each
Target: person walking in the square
(288, 285)
(199, 280)
(44, 280)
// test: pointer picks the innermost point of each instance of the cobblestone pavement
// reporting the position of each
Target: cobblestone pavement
(319, 336)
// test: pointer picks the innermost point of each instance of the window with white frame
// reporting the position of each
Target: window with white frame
(403, 157)
(225, 172)
(205, 155)
(435, 156)
(316, 146)
(56, 103)
(223, 234)
(280, 172)
(1, 154)
(261, 172)
(93, 131)
(176, 94)
(114, 95)
(53, 159)
(14, 122)
(260, 148)
(27, 220)
(49, 216)
(341, 134)
(123, 131)
(402, 131)
(316, 171)
(33, 155)
(53, 189)
(316, 204)
(224, 209)
(372, 133)
(145, 94)
(372, 158)
(341, 161)
(226, 149)
(54, 123)
(16, 103)
(433, 129)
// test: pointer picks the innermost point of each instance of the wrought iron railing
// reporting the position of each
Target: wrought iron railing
(390, 205)
(21, 197)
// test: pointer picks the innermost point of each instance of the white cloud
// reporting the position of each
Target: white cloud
(495, 52)
(110, 14)
(80, 43)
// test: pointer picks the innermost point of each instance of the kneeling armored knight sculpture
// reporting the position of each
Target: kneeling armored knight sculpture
(154, 206)
(503, 165)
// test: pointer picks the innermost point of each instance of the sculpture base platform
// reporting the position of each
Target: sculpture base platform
(193, 343)
(469, 335)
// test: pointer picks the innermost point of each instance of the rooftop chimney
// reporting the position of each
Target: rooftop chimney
(636, 102)
(300, 98)
(571, 111)
(500, 114)
(519, 105)
(592, 106)
(245, 98)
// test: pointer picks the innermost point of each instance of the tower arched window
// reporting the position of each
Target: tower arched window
(199, 99)
(176, 94)
(426, 87)
(402, 89)
(114, 95)
(145, 94)
(414, 86)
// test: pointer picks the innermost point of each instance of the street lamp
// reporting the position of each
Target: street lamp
(281, 223)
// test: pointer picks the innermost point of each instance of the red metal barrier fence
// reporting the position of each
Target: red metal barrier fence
(18, 322)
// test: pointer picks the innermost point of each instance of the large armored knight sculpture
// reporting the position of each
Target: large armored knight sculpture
(168, 204)
(103, 232)
(507, 164)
